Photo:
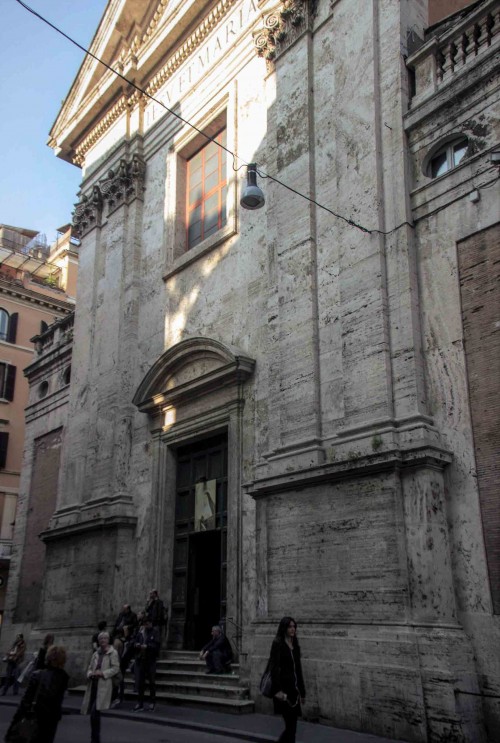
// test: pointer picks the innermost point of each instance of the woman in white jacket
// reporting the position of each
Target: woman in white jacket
(104, 664)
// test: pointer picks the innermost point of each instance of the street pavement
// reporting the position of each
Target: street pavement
(172, 724)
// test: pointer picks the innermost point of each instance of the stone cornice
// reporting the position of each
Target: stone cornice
(421, 456)
(190, 45)
(102, 127)
(83, 527)
(20, 292)
(132, 61)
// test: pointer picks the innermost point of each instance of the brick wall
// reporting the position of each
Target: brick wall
(479, 270)
(41, 507)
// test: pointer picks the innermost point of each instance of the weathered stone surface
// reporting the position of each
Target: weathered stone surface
(325, 345)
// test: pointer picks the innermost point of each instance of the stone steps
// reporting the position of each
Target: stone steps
(181, 679)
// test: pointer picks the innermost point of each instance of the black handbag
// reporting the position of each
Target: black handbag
(266, 682)
(25, 730)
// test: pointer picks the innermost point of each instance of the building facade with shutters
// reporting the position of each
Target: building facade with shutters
(290, 411)
(37, 285)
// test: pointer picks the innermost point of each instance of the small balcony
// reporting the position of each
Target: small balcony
(455, 47)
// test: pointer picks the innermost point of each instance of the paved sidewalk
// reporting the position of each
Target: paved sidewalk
(255, 727)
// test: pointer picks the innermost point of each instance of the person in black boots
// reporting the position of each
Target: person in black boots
(147, 647)
(287, 678)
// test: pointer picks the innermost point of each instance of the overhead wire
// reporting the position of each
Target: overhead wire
(178, 116)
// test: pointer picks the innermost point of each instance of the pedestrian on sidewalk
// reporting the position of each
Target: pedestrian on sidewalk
(147, 646)
(103, 666)
(286, 674)
(14, 658)
(45, 694)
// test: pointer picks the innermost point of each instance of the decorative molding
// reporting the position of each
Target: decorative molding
(102, 127)
(282, 26)
(192, 368)
(124, 183)
(87, 214)
(190, 45)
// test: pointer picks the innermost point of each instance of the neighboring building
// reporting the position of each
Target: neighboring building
(287, 411)
(37, 285)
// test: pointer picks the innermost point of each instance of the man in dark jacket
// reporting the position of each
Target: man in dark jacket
(217, 653)
(147, 648)
(155, 610)
(126, 618)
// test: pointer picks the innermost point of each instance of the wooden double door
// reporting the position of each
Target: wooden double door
(200, 542)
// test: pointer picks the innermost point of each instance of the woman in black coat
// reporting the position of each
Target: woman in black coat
(46, 689)
(287, 680)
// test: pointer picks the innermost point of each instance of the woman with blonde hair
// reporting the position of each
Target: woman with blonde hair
(45, 693)
(104, 664)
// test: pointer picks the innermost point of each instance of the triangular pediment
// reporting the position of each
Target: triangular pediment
(127, 39)
(193, 367)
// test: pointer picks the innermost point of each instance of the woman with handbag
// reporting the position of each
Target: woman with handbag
(104, 664)
(40, 710)
(287, 680)
(14, 659)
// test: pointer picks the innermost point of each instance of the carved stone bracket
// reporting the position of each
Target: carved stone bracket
(285, 23)
(88, 212)
(124, 183)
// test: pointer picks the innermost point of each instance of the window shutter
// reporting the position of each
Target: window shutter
(10, 382)
(4, 443)
(12, 333)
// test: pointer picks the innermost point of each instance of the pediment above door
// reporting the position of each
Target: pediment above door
(192, 368)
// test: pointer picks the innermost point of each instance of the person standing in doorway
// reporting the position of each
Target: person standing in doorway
(286, 673)
(156, 612)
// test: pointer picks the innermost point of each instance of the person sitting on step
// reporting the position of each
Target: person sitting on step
(217, 653)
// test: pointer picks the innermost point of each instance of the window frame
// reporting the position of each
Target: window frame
(4, 449)
(445, 147)
(7, 381)
(10, 333)
(220, 141)
(186, 143)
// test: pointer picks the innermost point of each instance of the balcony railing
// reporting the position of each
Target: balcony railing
(57, 334)
(460, 45)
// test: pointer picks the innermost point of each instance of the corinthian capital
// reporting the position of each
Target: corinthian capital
(282, 25)
(124, 182)
(87, 213)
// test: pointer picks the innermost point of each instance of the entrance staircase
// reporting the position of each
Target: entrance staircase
(181, 679)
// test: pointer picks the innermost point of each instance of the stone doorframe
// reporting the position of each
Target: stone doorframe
(193, 391)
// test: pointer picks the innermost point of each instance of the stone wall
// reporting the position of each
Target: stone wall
(326, 343)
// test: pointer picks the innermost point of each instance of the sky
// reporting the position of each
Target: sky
(37, 67)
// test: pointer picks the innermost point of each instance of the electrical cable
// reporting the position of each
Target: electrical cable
(350, 222)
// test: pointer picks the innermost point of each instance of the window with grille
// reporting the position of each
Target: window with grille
(206, 191)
